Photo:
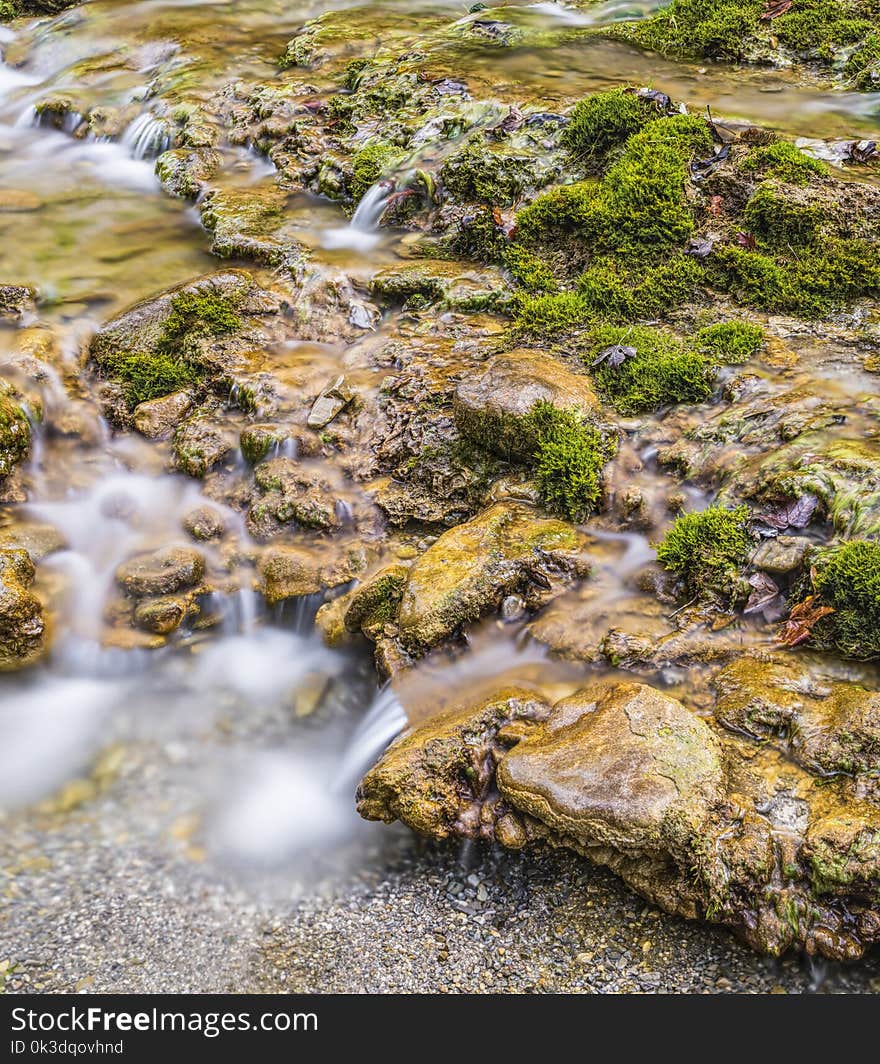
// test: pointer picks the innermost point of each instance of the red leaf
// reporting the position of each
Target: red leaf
(715, 206)
(799, 625)
(747, 240)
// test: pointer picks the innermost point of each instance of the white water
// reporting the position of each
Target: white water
(362, 233)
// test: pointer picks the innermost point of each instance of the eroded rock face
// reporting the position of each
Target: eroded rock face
(472, 567)
(22, 628)
(704, 823)
(158, 418)
(492, 407)
(439, 778)
(290, 493)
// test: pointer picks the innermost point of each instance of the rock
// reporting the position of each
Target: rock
(624, 768)
(437, 778)
(158, 418)
(292, 572)
(15, 300)
(183, 172)
(259, 441)
(471, 568)
(826, 726)
(22, 628)
(289, 572)
(375, 602)
(290, 494)
(161, 572)
(37, 540)
(204, 524)
(492, 406)
(201, 443)
(141, 327)
(422, 281)
(781, 555)
(15, 431)
(248, 223)
(160, 615)
(330, 403)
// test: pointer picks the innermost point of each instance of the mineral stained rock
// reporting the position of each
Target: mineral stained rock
(686, 812)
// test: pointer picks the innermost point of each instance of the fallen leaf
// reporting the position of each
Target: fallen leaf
(703, 167)
(699, 248)
(775, 8)
(797, 514)
(764, 592)
(799, 626)
(862, 151)
(615, 355)
(746, 240)
(715, 206)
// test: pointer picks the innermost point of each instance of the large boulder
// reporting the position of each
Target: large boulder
(22, 628)
(492, 406)
(472, 567)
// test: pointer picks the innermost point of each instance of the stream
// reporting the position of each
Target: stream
(209, 747)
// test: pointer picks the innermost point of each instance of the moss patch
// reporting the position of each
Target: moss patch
(662, 369)
(568, 460)
(603, 122)
(707, 549)
(783, 161)
(368, 165)
(848, 579)
(730, 342)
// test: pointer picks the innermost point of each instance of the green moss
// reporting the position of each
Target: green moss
(9, 9)
(532, 272)
(863, 66)
(612, 291)
(784, 161)
(196, 316)
(568, 460)
(368, 165)
(663, 370)
(775, 219)
(485, 174)
(730, 342)
(707, 550)
(734, 29)
(15, 431)
(550, 315)
(818, 282)
(148, 376)
(848, 579)
(604, 121)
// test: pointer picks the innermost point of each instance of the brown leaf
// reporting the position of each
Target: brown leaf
(764, 592)
(796, 514)
(716, 206)
(801, 620)
(747, 240)
(775, 8)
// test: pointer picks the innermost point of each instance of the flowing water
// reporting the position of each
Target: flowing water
(84, 220)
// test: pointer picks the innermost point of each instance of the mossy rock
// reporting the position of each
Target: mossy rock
(471, 568)
(15, 431)
(22, 627)
(493, 406)
(290, 495)
(434, 777)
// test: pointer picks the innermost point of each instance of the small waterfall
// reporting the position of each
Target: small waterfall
(147, 136)
(384, 721)
(298, 614)
(362, 232)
